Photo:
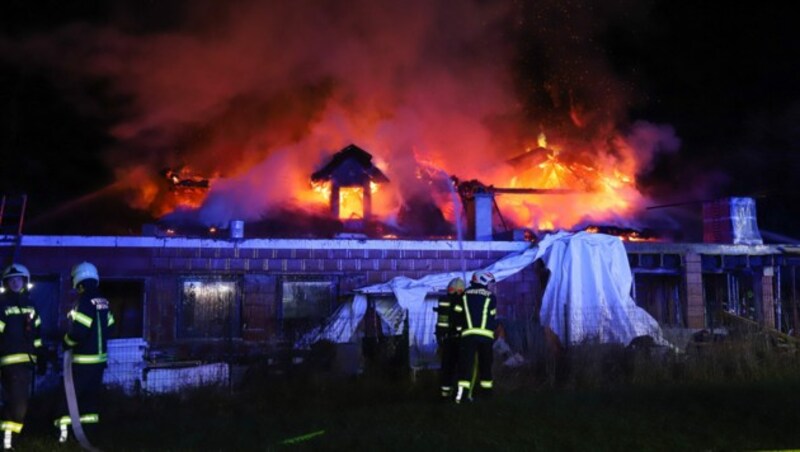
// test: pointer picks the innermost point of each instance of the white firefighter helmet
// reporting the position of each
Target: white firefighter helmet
(456, 285)
(83, 271)
(17, 270)
(482, 277)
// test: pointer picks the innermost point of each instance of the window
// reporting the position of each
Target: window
(305, 303)
(126, 301)
(660, 295)
(209, 308)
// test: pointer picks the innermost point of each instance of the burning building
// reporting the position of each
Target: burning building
(253, 295)
(224, 298)
(259, 99)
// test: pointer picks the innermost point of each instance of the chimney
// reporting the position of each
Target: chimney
(236, 229)
(484, 202)
(732, 221)
(478, 201)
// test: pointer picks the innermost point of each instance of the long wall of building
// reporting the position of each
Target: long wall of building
(196, 297)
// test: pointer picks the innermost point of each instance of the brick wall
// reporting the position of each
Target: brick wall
(259, 270)
(767, 298)
(695, 306)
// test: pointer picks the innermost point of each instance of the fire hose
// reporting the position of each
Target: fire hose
(72, 404)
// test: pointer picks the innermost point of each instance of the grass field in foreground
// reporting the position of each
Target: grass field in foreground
(401, 416)
(736, 396)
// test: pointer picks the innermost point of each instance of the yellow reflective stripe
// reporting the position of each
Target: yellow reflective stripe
(90, 359)
(486, 384)
(458, 308)
(38, 321)
(110, 319)
(81, 318)
(2, 326)
(16, 358)
(37, 343)
(90, 418)
(443, 324)
(16, 310)
(466, 309)
(63, 420)
(99, 333)
(11, 426)
(69, 341)
(464, 384)
(478, 332)
(444, 303)
(484, 314)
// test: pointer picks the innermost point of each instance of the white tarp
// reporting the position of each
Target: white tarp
(410, 295)
(588, 295)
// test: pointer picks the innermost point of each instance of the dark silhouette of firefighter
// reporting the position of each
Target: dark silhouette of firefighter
(87, 337)
(20, 342)
(447, 335)
(478, 320)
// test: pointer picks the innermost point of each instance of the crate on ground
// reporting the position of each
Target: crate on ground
(126, 361)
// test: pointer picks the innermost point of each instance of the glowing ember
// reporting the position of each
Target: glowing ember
(626, 235)
(178, 189)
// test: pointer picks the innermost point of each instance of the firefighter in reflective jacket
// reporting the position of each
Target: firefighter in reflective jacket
(19, 343)
(478, 309)
(447, 332)
(87, 336)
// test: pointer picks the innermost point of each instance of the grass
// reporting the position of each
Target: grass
(731, 396)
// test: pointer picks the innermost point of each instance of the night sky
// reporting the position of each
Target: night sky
(721, 74)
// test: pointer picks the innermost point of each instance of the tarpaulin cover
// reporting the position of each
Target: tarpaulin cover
(587, 297)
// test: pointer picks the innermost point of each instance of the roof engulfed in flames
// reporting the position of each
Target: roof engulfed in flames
(589, 190)
(260, 96)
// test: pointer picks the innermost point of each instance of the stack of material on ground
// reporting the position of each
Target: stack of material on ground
(126, 360)
(129, 370)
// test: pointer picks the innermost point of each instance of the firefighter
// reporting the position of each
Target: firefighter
(478, 312)
(87, 336)
(20, 341)
(447, 332)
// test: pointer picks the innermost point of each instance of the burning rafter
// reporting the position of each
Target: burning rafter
(185, 188)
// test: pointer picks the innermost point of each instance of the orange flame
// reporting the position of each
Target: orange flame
(600, 190)
(351, 203)
(351, 199)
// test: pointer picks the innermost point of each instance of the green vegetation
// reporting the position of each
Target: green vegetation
(733, 395)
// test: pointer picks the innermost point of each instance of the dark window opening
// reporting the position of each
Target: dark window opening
(660, 296)
(126, 301)
(735, 293)
(385, 344)
(209, 308)
(306, 302)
